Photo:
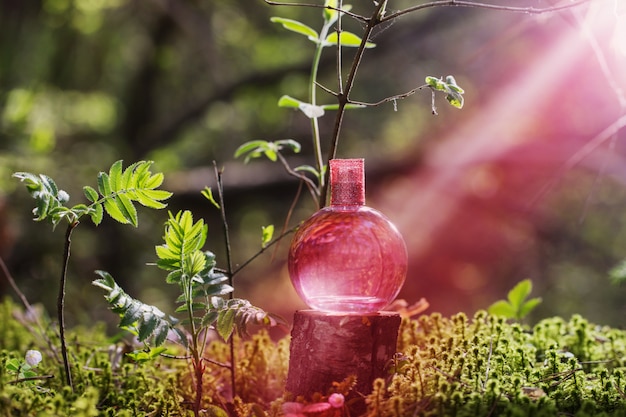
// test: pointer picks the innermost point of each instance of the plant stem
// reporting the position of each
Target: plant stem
(343, 97)
(61, 302)
(229, 270)
(317, 146)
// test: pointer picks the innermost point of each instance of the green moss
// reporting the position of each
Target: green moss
(457, 366)
(487, 367)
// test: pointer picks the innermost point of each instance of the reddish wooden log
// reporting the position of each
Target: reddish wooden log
(328, 347)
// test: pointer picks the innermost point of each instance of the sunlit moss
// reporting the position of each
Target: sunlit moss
(445, 366)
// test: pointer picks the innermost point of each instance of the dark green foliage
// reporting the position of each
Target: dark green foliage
(141, 319)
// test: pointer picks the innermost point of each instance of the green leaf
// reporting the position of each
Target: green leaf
(208, 194)
(142, 319)
(288, 101)
(13, 365)
(150, 323)
(330, 15)
(519, 293)
(225, 323)
(455, 99)
(142, 356)
(97, 214)
(502, 308)
(115, 176)
(527, 307)
(298, 27)
(348, 39)
(127, 209)
(267, 232)
(104, 185)
(113, 210)
(289, 143)
(91, 194)
(250, 146)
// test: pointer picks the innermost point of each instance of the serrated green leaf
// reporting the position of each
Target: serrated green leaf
(127, 209)
(225, 323)
(519, 293)
(97, 214)
(502, 308)
(209, 318)
(153, 181)
(348, 39)
(104, 185)
(298, 27)
(160, 332)
(91, 194)
(115, 176)
(147, 326)
(113, 210)
(131, 315)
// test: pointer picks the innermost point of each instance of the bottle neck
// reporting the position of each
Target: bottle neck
(347, 183)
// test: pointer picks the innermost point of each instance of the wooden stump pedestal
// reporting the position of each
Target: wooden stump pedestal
(328, 347)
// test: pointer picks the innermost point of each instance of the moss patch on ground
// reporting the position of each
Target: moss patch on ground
(457, 366)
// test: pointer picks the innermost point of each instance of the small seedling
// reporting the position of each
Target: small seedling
(517, 305)
(23, 369)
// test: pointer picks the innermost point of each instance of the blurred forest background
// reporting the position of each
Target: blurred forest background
(526, 181)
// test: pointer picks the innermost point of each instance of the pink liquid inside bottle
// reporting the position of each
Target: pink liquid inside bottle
(347, 258)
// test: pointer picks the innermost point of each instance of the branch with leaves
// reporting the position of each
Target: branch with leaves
(118, 191)
(201, 301)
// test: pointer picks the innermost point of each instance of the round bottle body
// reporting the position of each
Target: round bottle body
(347, 260)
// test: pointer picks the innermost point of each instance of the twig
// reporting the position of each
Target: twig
(462, 3)
(344, 96)
(309, 183)
(229, 267)
(61, 303)
(31, 378)
(29, 308)
(390, 98)
(318, 6)
(260, 252)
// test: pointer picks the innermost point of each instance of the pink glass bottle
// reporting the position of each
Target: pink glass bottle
(347, 258)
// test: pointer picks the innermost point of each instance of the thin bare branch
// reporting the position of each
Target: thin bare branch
(318, 6)
(390, 98)
(463, 3)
